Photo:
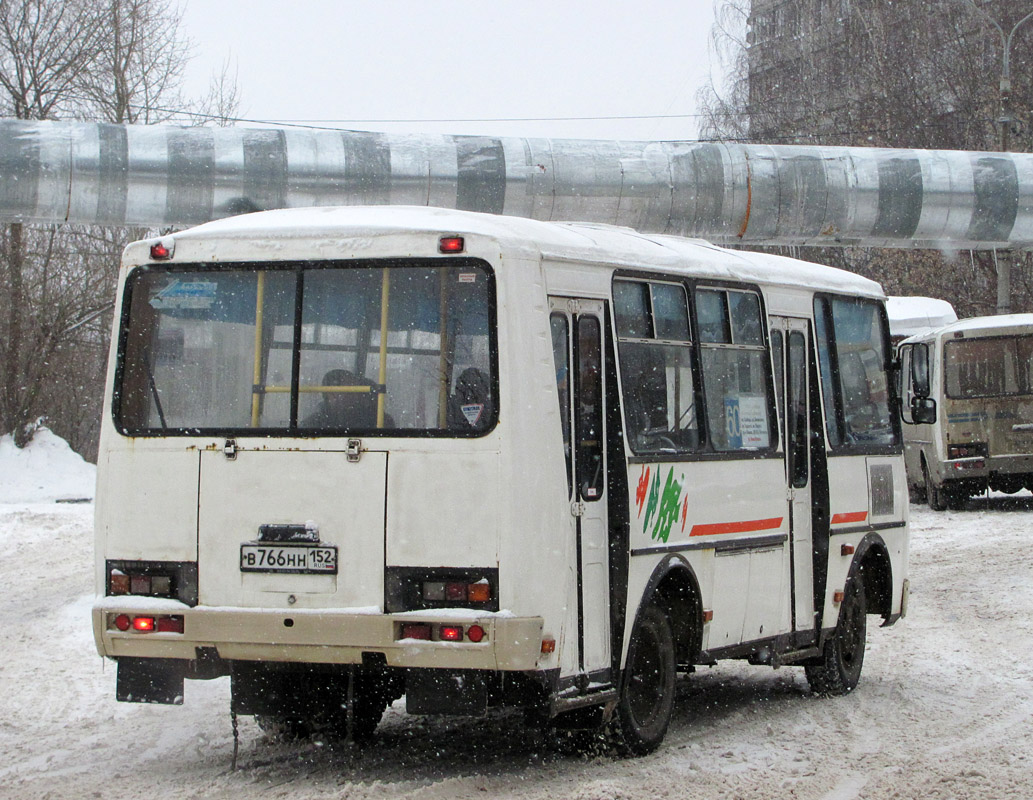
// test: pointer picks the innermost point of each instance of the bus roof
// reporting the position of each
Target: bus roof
(615, 246)
(913, 315)
(995, 325)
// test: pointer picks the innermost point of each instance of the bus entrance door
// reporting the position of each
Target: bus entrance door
(577, 327)
(790, 348)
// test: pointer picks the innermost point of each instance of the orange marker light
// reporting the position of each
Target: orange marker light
(478, 592)
(548, 646)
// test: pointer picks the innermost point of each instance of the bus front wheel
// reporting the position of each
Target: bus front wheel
(935, 495)
(647, 693)
(838, 669)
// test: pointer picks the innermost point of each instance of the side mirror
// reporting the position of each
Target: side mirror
(923, 410)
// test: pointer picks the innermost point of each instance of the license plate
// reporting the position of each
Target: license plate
(309, 559)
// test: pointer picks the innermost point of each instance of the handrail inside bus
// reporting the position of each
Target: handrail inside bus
(384, 297)
(256, 392)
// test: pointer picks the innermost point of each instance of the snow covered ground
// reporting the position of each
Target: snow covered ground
(944, 708)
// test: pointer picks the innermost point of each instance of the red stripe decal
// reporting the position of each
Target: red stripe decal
(853, 516)
(748, 526)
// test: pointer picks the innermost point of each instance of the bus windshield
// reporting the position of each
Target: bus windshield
(989, 367)
(308, 350)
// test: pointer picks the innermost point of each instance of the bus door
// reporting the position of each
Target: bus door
(790, 347)
(577, 330)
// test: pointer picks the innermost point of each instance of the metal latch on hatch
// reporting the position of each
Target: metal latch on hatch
(354, 450)
(229, 449)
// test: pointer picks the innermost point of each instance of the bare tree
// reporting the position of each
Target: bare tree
(119, 61)
(921, 74)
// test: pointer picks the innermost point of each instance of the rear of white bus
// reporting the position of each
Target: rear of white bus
(299, 485)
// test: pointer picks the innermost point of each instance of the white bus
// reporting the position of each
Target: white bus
(355, 453)
(968, 402)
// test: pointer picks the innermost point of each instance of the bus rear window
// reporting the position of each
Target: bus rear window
(309, 350)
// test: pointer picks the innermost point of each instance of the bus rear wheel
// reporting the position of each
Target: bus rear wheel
(838, 669)
(646, 701)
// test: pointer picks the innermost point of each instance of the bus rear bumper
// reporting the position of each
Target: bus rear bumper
(321, 636)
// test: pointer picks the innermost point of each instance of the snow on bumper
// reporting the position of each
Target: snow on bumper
(319, 635)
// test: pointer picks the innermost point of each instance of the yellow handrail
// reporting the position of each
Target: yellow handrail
(443, 358)
(256, 392)
(382, 380)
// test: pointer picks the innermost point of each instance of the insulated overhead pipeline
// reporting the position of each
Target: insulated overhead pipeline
(106, 174)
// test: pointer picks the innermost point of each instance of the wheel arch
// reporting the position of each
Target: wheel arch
(673, 586)
(872, 566)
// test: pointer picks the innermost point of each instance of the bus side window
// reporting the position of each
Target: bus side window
(798, 440)
(589, 408)
(561, 358)
(853, 355)
(778, 359)
(735, 369)
(656, 366)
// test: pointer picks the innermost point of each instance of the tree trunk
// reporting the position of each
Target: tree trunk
(12, 411)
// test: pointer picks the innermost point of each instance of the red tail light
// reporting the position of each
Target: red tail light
(451, 633)
(475, 633)
(416, 630)
(170, 624)
(455, 591)
(143, 624)
(122, 622)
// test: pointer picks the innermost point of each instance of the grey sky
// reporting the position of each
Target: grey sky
(356, 63)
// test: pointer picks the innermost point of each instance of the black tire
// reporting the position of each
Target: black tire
(916, 494)
(646, 701)
(934, 494)
(838, 669)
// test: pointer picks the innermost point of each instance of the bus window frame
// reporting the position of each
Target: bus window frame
(705, 450)
(687, 346)
(836, 445)
(298, 267)
(774, 438)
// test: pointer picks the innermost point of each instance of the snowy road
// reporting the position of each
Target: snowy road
(944, 708)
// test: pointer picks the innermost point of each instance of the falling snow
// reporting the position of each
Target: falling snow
(944, 708)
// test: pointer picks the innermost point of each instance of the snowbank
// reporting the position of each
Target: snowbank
(44, 471)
